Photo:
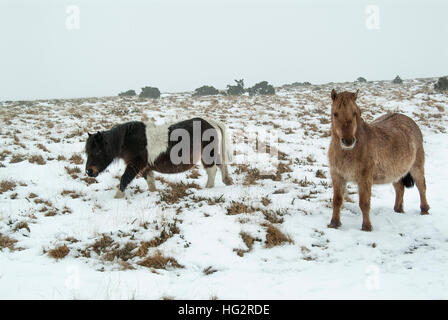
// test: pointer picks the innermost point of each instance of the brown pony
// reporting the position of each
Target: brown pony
(387, 150)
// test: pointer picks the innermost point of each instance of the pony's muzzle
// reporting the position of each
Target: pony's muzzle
(348, 145)
(91, 173)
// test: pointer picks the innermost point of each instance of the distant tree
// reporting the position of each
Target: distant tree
(205, 91)
(441, 84)
(129, 93)
(149, 92)
(261, 88)
(397, 80)
(361, 79)
(236, 90)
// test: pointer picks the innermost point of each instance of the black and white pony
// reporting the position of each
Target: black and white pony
(171, 148)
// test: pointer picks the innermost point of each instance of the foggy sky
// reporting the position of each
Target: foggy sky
(179, 45)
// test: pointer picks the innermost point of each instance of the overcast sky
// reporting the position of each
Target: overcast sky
(179, 45)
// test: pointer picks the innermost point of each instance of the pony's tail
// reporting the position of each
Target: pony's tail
(226, 142)
(408, 181)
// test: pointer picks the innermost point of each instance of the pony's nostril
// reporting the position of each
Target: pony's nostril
(89, 172)
(343, 141)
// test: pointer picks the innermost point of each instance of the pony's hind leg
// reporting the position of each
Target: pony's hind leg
(211, 173)
(226, 179)
(418, 173)
(151, 181)
(399, 192)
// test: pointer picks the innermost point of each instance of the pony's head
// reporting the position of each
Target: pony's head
(345, 118)
(98, 157)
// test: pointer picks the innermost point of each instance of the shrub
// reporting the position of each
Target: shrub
(261, 88)
(441, 84)
(236, 90)
(397, 80)
(129, 93)
(150, 92)
(205, 91)
(361, 79)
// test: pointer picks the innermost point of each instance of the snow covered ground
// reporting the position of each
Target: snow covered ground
(63, 235)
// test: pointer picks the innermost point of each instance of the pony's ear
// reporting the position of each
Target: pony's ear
(334, 94)
(99, 136)
(89, 134)
(355, 95)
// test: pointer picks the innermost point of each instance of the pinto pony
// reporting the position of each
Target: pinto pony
(387, 150)
(171, 148)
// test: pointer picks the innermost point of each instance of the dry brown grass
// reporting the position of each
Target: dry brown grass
(7, 185)
(18, 157)
(71, 193)
(248, 241)
(21, 225)
(37, 159)
(76, 158)
(7, 242)
(209, 270)
(42, 147)
(169, 231)
(73, 171)
(238, 208)
(274, 237)
(176, 191)
(320, 174)
(159, 261)
(59, 252)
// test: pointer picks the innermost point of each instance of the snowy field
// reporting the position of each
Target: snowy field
(64, 236)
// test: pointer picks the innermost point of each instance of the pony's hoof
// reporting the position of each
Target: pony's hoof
(399, 209)
(424, 213)
(119, 194)
(334, 224)
(366, 227)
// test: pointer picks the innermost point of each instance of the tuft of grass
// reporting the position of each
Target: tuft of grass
(17, 158)
(59, 252)
(320, 174)
(274, 237)
(7, 185)
(159, 261)
(7, 242)
(76, 158)
(209, 270)
(176, 191)
(22, 225)
(238, 208)
(38, 159)
(157, 241)
(248, 241)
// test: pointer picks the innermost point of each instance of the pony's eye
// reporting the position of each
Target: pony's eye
(354, 113)
(335, 114)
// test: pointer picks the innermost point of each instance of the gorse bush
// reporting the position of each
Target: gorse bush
(236, 90)
(261, 88)
(129, 93)
(441, 84)
(150, 92)
(205, 91)
(361, 79)
(397, 80)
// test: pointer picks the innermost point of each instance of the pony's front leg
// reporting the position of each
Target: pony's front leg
(338, 198)
(365, 191)
(128, 175)
(211, 173)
